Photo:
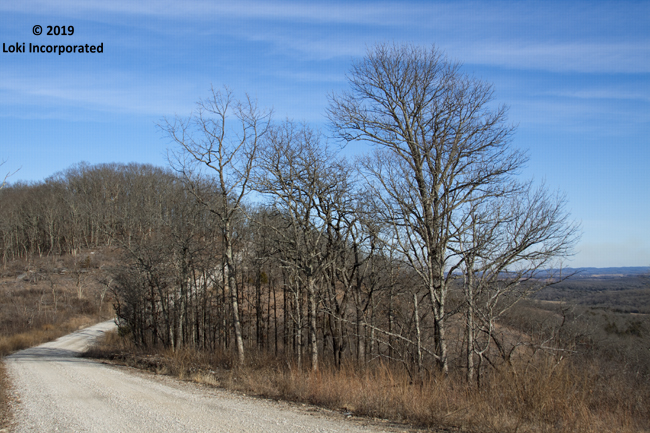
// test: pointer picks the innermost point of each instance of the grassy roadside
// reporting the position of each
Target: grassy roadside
(5, 387)
(541, 395)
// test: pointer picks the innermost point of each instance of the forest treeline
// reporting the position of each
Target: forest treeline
(262, 236)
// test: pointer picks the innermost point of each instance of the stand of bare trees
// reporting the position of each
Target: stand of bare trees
(441, 152)
(410, 257)
(82, 207)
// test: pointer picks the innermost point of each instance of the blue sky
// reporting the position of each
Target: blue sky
(576, 76)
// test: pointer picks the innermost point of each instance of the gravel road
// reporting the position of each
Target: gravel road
(57, 391)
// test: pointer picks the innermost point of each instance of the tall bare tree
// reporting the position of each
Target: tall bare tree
(440, 147)
(220, 142)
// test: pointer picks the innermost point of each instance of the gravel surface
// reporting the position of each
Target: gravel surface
(57, 391)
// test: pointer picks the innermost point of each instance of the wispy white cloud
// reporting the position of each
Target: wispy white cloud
(110, 92)
(550, 15)
(629, 57)
(551, 36)
(311, 77)
(387, 13)
(586, 57)
(577, 115)
(642, 95)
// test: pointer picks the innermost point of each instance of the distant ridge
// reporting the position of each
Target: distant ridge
(586, 272)
(626, 271)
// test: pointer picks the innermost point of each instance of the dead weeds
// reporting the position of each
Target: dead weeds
(542, 395)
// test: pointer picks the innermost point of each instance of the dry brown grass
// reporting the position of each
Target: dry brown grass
(47, 332)
(541, 394)
(44, 298)
(5, 412)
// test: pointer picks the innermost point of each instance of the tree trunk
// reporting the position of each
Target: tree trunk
(417, 332)
(470, 326)
(313, 343)
(232, 285)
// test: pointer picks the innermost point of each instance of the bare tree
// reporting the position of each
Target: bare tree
(508, 251)
(440, 148)
(220, 141)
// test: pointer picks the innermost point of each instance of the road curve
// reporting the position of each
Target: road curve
(57, 391)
